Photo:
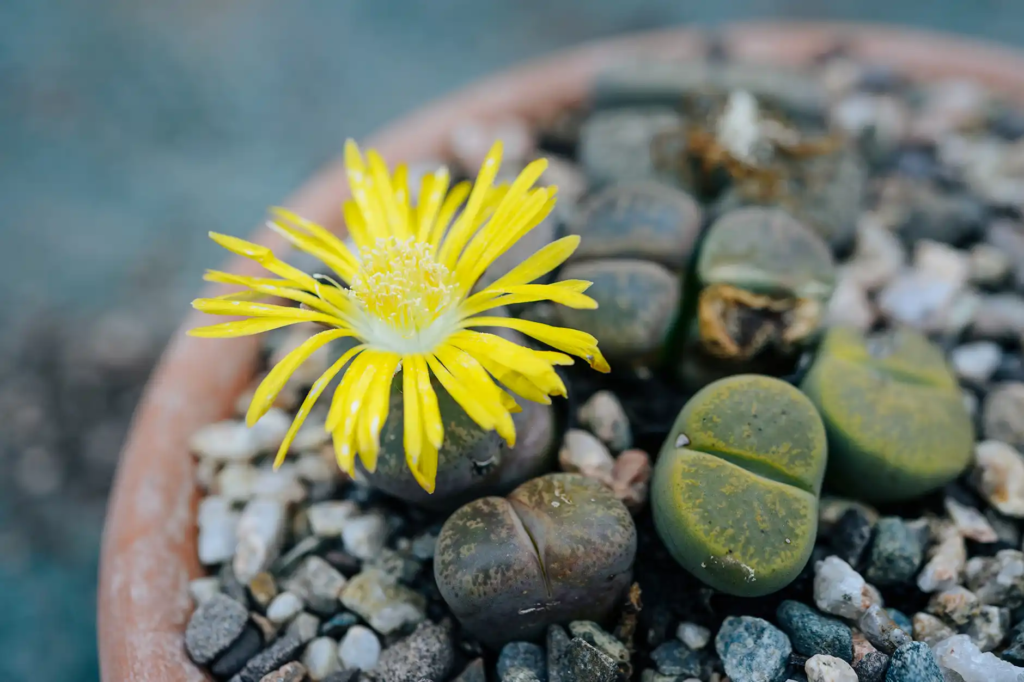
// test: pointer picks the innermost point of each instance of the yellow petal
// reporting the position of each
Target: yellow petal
(479, 388)
(386, 194)
(216, 306)
(268, 390)
(477, 412)
(570, 341)
(433, 188)
(542, 262)
(468, 220)
(513, 364)
(226, 330)
(356, 224)
(567, 295)
(337, 413)
(433, 429)
(425, 471)
(264, 257)
(350, 397)
(365, 193)
(444, 217)
(375, 413)
(270, 287)
(307, 405)
(333, 253)
(412, 428)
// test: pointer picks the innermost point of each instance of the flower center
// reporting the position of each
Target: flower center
(405, 294)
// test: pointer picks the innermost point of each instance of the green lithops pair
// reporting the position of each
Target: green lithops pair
(558, 548)
(896, 421)
(735, 490)
(763, 284)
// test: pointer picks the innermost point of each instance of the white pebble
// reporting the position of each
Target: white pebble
(284, 607)
(977, 361)
(840, 590)
(822, 668)
(692, 635)
(202, 589)
(971, 523)
(582, 452)
(236, 481)
(604, 415)
(946, 566)
(280, 484)
(364, 536)
(321, 658)
(360, 648)
(999, 476)
(961, 655)
(315, 468)
(233, 441)
(260, 534)
(327, 519)
(218, 525)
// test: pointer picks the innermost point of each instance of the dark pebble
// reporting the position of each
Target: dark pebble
(1010, 368)
(913, 662)
(474, 672)
(896, 553)
(1014, 652)
(345, 563)
(282, 650)
(851, 535)
(881, 79)
(213, 627)
(872, 667)
(427, 651)
(557, 645)
(337, 626)
(1007, 123)
(675, 658)
(236, 655)
(522, 655)
(812, 633)
(350, 675)
(231, 586)
(587, 663)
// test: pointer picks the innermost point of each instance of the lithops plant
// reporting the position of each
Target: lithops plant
(636, 239)
(558, 548)
(896, 421)
(471, 462)
(764, 283)
(735, 490)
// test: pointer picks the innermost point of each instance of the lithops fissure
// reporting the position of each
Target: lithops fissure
(735, 491)
(896, 421)
(558, 548)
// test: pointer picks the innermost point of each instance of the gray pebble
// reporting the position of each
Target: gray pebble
(518, 674)
(881, 630)
(213, 627)
(203, 589)
(604, 416)
(364, 536)
(282, 650)
(557, 646)
(988, 629)
(930, 629)
(999, 317)
(617, 145)
(592, 633)
(318, 584)
(956, 605)
(675, 658)
(427, 652)
(1001, 414)
(386, 605)
(522, 655)
(240, 651)
(997, 580)
(473, 672)
(872, 667)
(587, 663)
(896, 553)
(812, 633)
(752, 649)
(913, 662)
(304, 627)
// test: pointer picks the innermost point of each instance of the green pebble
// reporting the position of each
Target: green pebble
(645, 220)
(735, 490)
(813, 633)
(897, 426)
(637, 302)
(558, 548)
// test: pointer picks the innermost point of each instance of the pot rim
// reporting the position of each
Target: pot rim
(149, 542)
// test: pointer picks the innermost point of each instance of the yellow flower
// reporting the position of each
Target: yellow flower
(407, 298)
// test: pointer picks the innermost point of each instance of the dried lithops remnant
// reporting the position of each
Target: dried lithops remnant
(896, 422)
(737, 324)
(765, 281)
(558, 548)
(736, 499)
(471, 462)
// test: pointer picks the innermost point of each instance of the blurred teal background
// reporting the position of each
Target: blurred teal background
(128, 129)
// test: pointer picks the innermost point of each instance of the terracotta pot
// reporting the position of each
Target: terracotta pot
(149, 546)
